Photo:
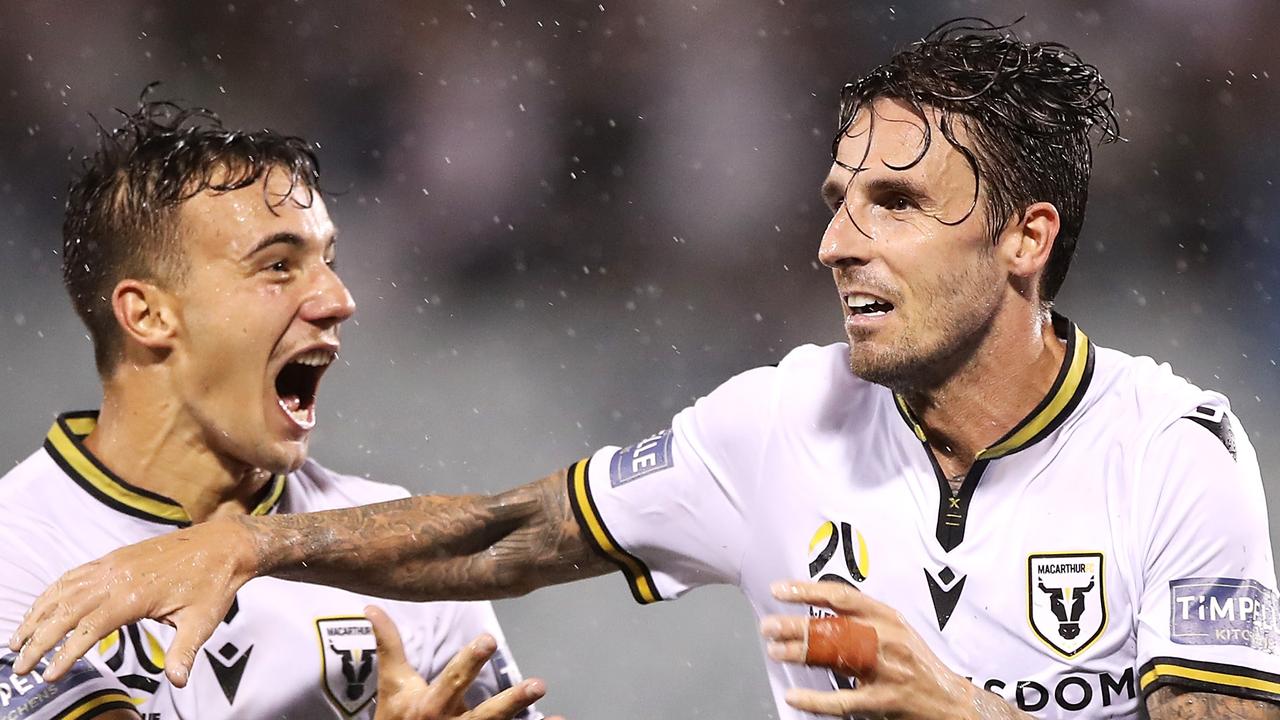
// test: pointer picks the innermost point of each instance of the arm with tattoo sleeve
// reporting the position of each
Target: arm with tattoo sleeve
(434, 548)
(421, 548)
(1175, 703)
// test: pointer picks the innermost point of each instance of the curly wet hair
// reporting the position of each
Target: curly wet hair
(122, 207)
(1033, 110)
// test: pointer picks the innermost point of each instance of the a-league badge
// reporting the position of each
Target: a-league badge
(837, 553)
(1066, 600)
(349, 661)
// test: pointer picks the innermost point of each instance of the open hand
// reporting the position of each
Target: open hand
(404, 695)
(186, 579)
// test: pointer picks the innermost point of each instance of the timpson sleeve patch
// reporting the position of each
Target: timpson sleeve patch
(82, 693)
(1216, 421)
(1224, 611)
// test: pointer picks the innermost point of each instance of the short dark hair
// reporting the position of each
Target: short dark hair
(121, 214)
(1031, 108)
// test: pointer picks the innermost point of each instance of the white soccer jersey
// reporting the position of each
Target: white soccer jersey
(1113, 542)
(285, 650)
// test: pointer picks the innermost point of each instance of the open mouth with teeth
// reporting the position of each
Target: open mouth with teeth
(868, 305)
(297, 382)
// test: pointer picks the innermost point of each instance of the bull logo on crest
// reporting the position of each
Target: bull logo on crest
(1066, 603)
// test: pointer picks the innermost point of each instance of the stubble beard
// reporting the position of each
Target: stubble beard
(960, 323)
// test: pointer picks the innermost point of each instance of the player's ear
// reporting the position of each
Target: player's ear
(1028, 240)
(145, 313)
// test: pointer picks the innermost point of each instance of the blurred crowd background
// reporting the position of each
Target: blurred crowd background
(563, 221)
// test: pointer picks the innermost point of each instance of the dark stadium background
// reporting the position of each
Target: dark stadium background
(564, 220)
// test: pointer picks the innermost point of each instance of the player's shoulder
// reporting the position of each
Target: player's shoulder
(47, 521)
(1147, 395)
(811, 381)
(811, 370)
(34, 489)
(832, 359)
(314, 487)
(1151, 407)
(816, 379)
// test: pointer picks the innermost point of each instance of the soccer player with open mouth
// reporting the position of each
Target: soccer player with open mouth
(1004, 519)
(202, 260)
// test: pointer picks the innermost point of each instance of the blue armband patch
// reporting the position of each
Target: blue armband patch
(647, 456)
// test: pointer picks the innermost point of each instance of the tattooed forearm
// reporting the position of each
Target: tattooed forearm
(432, 548)
(1175, 703)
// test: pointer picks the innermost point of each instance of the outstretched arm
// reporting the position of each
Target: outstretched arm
(422, 548)
(433, 548)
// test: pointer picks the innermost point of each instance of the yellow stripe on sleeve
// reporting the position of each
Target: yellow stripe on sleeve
(1209, 676)
(637, 574)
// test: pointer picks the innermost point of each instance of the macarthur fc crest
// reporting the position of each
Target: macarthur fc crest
(1066, 600)
(349, 662)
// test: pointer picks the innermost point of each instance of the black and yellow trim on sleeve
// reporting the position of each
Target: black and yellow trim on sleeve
(1208, 677)
(593, 528)
(1057, 405)
(65, 444)
(95, 704)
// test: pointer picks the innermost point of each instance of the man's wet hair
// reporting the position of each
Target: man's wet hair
(122, 207)
(1032, 109)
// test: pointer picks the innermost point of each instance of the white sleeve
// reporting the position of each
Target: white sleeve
(458, 623)
(671, 510)
(84, 692)
(1207, 616)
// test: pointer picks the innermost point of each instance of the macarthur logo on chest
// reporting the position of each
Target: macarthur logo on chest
(349, 656)
(1066, 602)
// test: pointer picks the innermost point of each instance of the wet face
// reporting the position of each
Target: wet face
(259, 311)
(914, 265)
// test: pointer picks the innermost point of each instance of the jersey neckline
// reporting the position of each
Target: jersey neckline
(1064, 396)
(65, 444)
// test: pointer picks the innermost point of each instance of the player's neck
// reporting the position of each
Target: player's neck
(995, 389)
(145, 438)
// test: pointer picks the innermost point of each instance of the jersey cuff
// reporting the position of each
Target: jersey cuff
(1209, 677)
(95, 704)
(598, 536)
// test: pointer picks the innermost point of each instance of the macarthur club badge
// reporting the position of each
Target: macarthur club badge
(1066, 602)
(349, 661)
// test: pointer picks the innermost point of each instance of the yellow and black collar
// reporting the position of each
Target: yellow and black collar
(1067, 391)
(65, 444)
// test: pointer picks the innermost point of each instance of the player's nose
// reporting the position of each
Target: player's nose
(330, 302)
(844, 243)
